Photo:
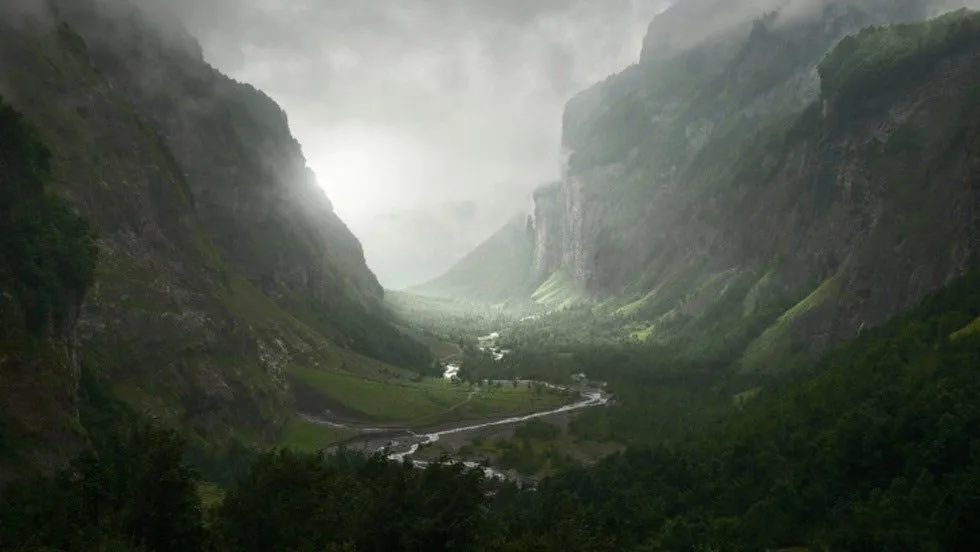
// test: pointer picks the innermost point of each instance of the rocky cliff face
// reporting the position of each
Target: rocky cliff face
(247, 176)
(549, 231)
(751, 188)
(221, 260)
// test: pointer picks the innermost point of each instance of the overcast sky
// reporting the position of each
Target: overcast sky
(428, 122)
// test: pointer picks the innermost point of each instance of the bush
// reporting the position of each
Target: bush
(136, 493)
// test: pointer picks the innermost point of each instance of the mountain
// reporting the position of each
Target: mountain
(221, 263)
(495, 272)
(783, 184)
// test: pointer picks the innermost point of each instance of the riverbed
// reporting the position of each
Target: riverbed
(400, 444)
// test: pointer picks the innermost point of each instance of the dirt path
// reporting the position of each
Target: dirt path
(469, 397)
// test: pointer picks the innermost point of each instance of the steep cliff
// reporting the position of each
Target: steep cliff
(778, 186)
(750, 182)
(221, 262)
(47, 263)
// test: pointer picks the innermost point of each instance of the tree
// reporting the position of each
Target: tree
(135, 494)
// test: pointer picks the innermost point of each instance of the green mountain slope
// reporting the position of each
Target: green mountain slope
(778, 183)
(47, 263)
(496, 271)
(222, 267)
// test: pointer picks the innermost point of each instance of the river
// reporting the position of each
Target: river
(402, 443)
(589, 399)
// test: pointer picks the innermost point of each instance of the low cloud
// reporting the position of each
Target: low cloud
(407, 109)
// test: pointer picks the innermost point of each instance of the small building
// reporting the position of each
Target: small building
(451, 372)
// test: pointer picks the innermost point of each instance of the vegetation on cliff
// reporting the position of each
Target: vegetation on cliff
(47, 251)
(48, 256)
(883, 58)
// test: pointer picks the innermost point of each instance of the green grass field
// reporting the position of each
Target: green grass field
(306, 436)
(421, 402)
(510, 401)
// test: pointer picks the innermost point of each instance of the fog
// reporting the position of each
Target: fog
(429, 122)
(691, 21)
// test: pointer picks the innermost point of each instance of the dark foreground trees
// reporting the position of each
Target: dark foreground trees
(292, 501)
(134, 494)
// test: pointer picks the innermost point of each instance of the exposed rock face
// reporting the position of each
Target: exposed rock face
(247, 176)
(549, 230)
(703, 174)
(729, 190)
(222, 261)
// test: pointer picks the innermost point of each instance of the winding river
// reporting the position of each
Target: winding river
(412, 441)
(589, 399)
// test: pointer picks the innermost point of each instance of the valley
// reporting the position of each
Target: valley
(486, 408)
(744, 315)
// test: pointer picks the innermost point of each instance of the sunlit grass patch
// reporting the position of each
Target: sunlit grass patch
(211, 494)
(307, 436)
(429, 400)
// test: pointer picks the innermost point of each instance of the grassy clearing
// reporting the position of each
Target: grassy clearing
(211, 494)
(419, 402)
(642, 335)
(773, 345)
(382, 400)
(968, 330)
(413, 306)
(509, 401)
(306, 436)
(559, 291)
(631, 308)
(746, 396)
